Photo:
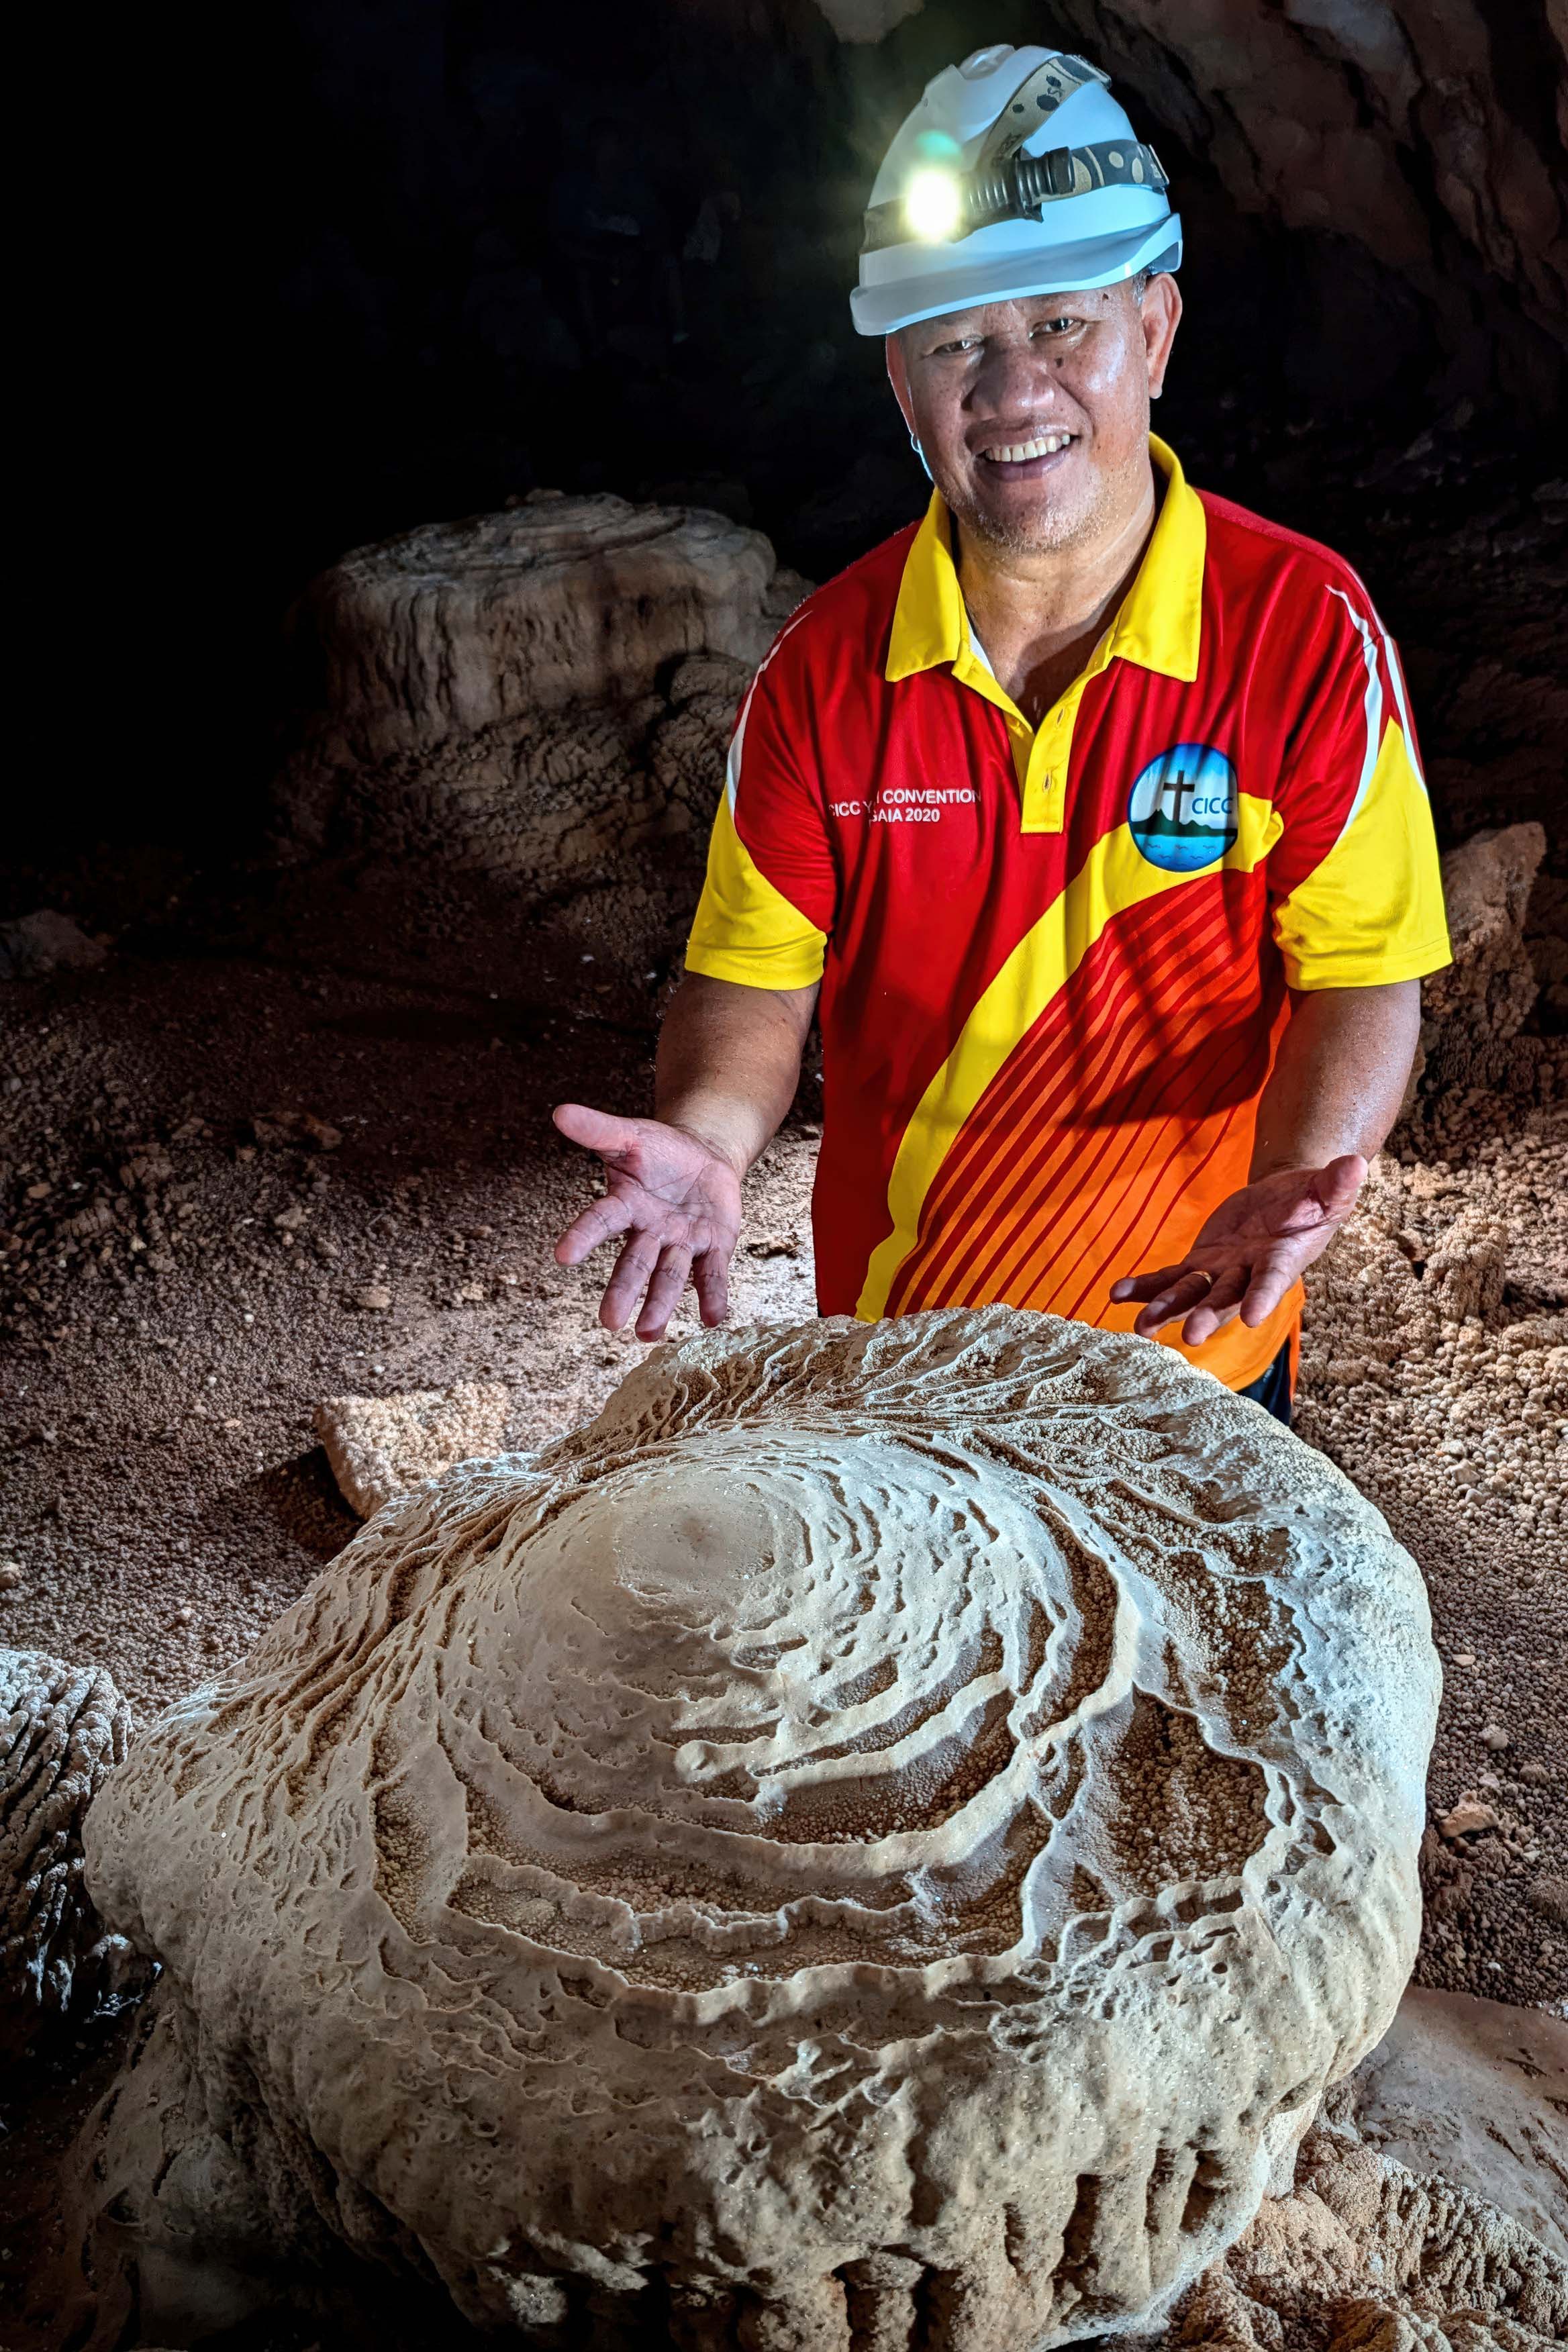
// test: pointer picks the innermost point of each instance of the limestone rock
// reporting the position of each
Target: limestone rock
(1475, 2092)
(61, 1730)
(380, 1446)
(1466, 1271)
(865, 20)
(889, 1819)
(36, 945)
(504, 692)
(1480, 1002)
(1365, 2255)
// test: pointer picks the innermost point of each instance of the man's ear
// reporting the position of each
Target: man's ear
(899, 377)
(1160, 314)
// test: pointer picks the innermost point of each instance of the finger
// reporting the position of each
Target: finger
(634, 1267)
(1217, 1309)
(664, 1293)
(599, 1222)
(1144, 1286)
(1272, 1279)
(597, 1130)
(1188, 1291)
(711, 1274)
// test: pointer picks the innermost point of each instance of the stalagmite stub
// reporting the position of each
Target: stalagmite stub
(889, 1829)
(532, 692)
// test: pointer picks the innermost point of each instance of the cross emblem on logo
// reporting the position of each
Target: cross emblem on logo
(1176, 796)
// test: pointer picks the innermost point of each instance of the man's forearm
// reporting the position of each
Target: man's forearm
(1339, 1077)
(729, 1062)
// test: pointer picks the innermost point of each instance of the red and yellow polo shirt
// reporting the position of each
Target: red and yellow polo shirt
(1055, 959)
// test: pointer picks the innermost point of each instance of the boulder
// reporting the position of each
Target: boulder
(36, 945)
(888, 1821)
(531, 693)
(381, 1446)
(62, 1728)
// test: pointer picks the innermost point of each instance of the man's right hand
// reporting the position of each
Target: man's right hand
(676, 1199)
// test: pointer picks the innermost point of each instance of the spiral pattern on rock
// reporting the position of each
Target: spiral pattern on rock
(890, 1829)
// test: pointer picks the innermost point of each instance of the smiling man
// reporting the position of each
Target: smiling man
(1088, 811)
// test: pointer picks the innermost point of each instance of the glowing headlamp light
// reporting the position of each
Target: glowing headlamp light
(933, 207)
(941, 203)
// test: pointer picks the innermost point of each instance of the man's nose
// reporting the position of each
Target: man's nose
(1013, 380)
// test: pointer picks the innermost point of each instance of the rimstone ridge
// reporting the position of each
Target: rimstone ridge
(888, 1829)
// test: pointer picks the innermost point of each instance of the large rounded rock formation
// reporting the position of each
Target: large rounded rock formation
(882, 1839)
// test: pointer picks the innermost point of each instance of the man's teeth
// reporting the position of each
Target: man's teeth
(1014, 453)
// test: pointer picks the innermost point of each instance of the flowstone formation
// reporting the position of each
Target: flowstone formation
(62, 1728)
(881, 1839)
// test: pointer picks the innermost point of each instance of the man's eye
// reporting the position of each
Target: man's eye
(966, 343)
(1055, 326)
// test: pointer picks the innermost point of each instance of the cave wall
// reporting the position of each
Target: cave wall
(1422, 137)
(1373, 191)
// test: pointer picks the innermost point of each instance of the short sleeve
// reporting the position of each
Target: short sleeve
(769, 900)
(1355, 891)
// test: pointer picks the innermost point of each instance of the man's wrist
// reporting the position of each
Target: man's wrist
(711, 1137)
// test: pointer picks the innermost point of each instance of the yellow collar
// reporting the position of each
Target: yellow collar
(1159, 626)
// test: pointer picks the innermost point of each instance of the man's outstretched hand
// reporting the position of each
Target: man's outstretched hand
(679, 1205)
(1249, 1252)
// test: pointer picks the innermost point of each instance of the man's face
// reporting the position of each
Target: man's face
(1034, 414)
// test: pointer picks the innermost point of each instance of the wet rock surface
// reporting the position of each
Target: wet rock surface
(687, 1790)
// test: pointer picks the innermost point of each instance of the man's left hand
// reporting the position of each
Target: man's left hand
(1249, 1252)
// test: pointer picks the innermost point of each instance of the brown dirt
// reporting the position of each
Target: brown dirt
(1434, 1371)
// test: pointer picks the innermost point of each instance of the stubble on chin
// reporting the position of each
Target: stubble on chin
(1034, 531)
(1042, 528)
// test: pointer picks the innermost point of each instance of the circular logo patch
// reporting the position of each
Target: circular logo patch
(1182, 809)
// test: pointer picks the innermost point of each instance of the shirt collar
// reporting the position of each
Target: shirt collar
(1160, 622)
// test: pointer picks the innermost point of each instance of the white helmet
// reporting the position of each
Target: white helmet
(1016, 174)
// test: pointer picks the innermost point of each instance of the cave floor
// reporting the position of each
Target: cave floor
(199, 1260)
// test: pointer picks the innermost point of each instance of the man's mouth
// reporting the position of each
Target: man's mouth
(1032, 453)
